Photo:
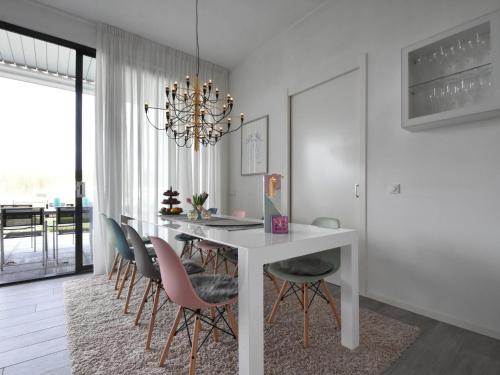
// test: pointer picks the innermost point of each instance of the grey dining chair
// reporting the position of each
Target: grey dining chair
(116, 261)
(188, 240)
(307, 273)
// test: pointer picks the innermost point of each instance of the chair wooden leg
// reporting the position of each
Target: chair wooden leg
(235, 272)
(226, 267)
(184, 251)
(191, 243)
(194, 348)
(143, 302)
(331, 303)
(215, 331)
(278, 301)
(118, 273)
(275, 283)
(153, 316)
(130, 288)
(124, 279)
(115, 261)
(208, 258)
(305, 302)
(164, 353)
(216, 267)
(232, 320)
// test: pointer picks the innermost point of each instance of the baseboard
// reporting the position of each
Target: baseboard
(435, 315)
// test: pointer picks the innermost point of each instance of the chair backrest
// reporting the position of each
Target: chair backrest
(327, 222)
(142, 259)
(240, 214)
(87, 214)
(66, 215)
(15, 205)
(118, 239)
(174, 277)
(212, 210)
(331, 256)
(22, 217)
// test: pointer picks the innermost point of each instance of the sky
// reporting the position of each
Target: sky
(37, 142)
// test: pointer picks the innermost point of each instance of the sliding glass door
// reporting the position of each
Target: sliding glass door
(46, 167)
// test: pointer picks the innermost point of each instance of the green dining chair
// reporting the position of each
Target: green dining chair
(306, 274)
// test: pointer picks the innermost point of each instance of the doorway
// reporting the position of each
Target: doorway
(47, 118)
(327, 150)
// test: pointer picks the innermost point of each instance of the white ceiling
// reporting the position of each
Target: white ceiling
(229, 29)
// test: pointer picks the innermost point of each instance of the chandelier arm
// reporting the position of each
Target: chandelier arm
(181, 118)
(176, 108)
(235, 129)
(156, 108)
(179, 113)
(223, 113)
(218, 117)
(153, 125)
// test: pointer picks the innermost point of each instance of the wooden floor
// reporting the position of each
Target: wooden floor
(33, 341)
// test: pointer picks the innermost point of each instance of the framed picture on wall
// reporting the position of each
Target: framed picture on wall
(254, 136)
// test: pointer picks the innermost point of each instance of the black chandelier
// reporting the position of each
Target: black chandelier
(196, 114)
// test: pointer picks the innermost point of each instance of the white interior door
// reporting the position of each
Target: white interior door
(326, 151)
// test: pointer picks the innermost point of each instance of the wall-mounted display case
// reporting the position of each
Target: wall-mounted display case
(453, 77)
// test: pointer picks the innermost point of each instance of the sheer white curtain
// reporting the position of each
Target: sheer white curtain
(134, 162)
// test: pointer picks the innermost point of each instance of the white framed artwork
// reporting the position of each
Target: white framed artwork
(254, 135)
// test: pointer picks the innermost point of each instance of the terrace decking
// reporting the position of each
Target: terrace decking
(22, 262)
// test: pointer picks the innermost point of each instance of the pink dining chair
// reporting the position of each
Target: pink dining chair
(215, 293)
(240, 214)
(213, 250)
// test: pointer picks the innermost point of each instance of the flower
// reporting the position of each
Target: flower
(199, 199)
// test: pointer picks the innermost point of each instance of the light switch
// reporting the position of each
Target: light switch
(395, 189)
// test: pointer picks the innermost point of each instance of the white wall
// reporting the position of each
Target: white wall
(48, 20)
(435, 248)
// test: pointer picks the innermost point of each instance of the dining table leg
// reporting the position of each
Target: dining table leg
(250, 314)
(349, 295)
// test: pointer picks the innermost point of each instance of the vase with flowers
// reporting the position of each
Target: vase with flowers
(197, 201)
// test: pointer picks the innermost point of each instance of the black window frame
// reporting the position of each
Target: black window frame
(81, 51)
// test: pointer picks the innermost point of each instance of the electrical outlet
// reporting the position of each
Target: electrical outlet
(395, 189)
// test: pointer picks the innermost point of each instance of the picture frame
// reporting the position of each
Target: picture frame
(254, 146)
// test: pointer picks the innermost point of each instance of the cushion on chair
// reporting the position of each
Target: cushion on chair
(215, 288)
(151, 251)
(209, 245)
(192, 267)
(305, 266)
(145, 239)
(185, 237)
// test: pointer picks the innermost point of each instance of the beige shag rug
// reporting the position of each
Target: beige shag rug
(103, 340)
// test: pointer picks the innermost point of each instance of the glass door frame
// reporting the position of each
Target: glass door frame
(81, 51)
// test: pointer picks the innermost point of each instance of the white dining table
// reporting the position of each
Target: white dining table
(256, 248)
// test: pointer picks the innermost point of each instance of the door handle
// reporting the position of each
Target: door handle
(80, 189)
(356, 190)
